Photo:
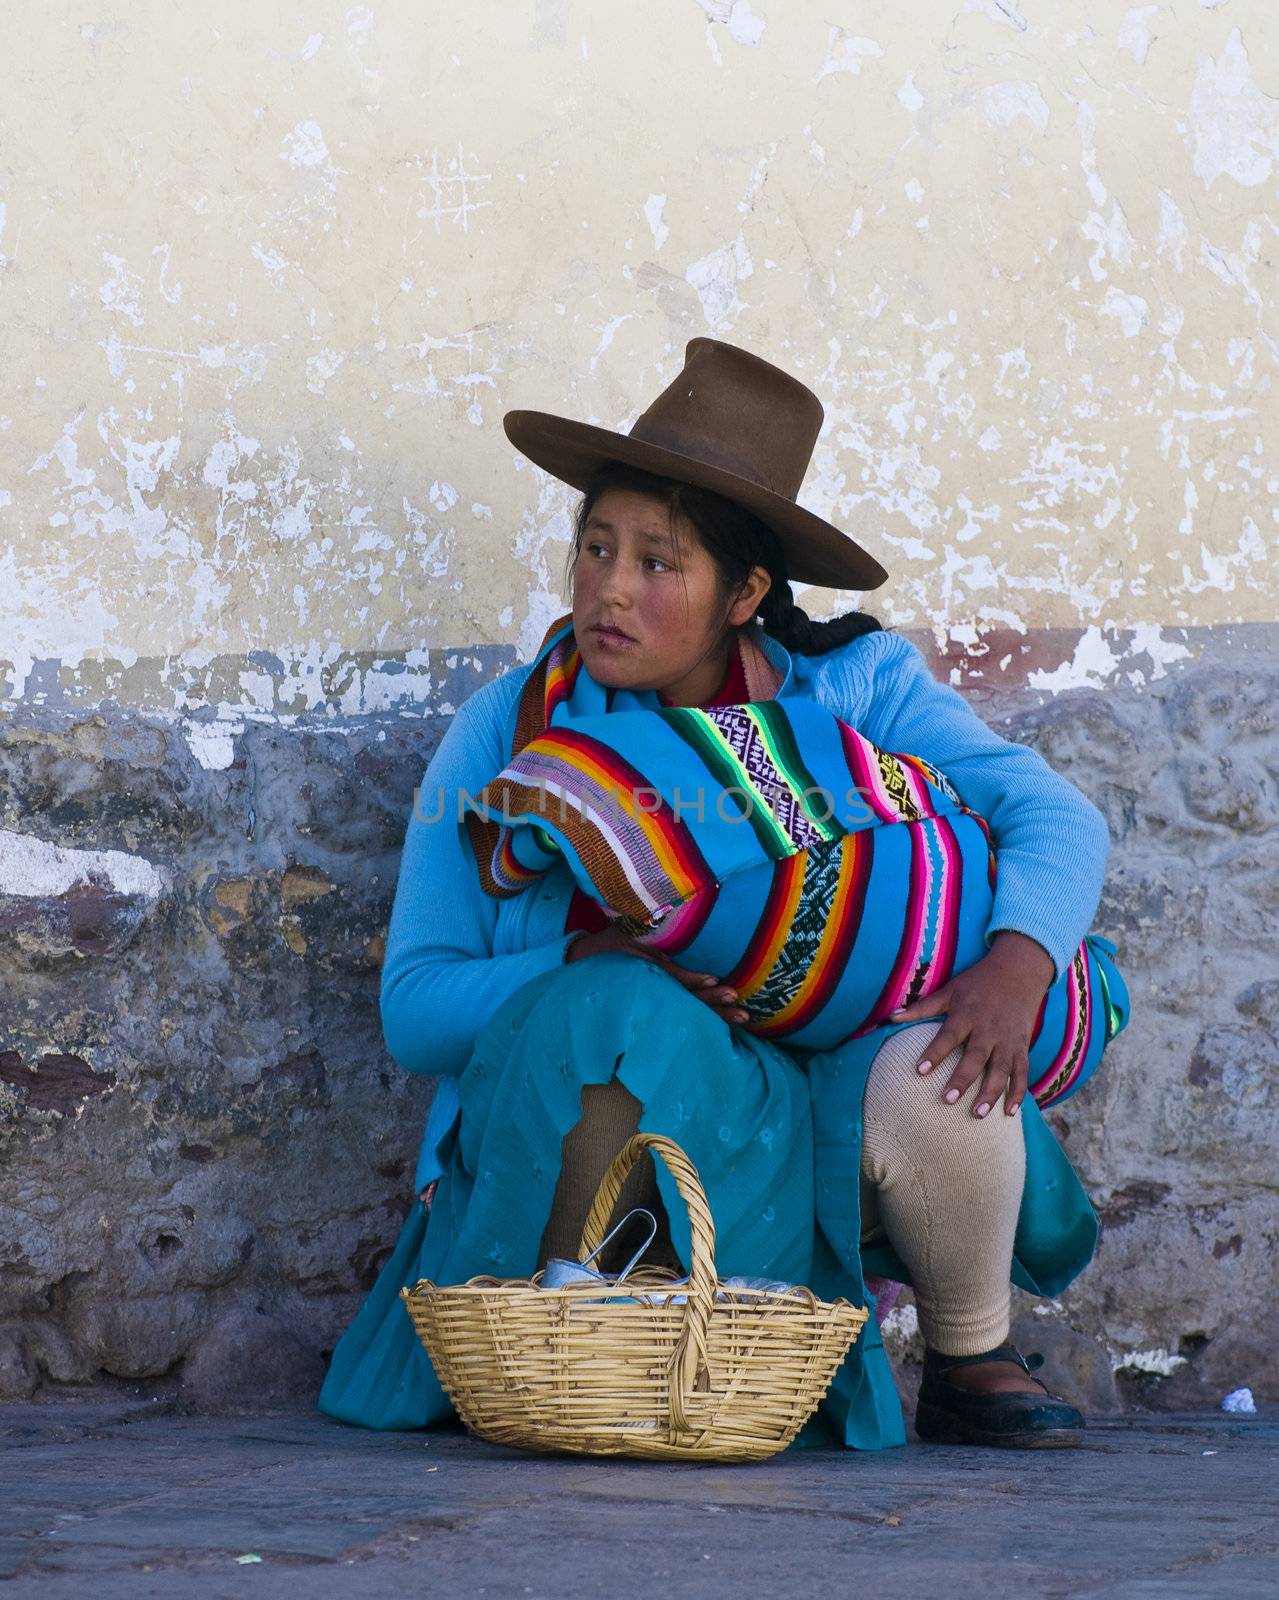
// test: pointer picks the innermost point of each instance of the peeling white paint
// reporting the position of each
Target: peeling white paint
(1134, 34)
(123, 290)
(653, 208)
(1222, 572)
(1003, 103)
(1173, 233)
(1091, 666)
(1150, 639)
(359, 23)
(443, 496)
(715, 277)
(213, 743)
(607, 334)
(736, 15)
(909, 96)
(304, 146)
(1131, 310)
(1234, 124)
(34, 867)
(1113, 240)
(261, 433)
(1086, 123)
(321, 367)
(543, 609)
(847, 52)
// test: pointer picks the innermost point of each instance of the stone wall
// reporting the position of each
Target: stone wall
(208, 1153)
(206, 1150)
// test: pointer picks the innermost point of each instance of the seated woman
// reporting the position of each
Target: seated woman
(912, 1146)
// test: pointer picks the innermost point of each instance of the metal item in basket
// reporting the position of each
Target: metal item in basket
(557, 1271)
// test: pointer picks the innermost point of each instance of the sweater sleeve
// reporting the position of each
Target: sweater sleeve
(1051, 843)
(441, 981)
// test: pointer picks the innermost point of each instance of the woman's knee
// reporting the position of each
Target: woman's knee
(893, 1083)
(908, 1122)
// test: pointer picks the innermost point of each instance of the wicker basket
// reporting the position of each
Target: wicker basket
(717, 1375)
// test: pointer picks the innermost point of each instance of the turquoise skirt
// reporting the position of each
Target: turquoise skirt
(774, 1133)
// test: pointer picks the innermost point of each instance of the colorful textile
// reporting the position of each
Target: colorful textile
(829, 881)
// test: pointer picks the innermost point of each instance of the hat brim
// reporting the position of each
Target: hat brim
(816, 551)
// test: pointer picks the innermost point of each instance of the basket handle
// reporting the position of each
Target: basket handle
(689, 1363)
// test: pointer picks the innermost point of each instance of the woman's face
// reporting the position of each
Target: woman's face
(647, 611)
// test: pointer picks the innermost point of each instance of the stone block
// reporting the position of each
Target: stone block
(1076, 1365)
(19, 1376)
(136, 1335)
(249, 1358)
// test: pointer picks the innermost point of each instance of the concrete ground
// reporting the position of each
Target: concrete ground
(134, 1500)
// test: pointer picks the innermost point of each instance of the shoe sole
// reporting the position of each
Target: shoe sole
(936, 1426)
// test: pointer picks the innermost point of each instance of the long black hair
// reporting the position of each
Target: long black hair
(736, 540)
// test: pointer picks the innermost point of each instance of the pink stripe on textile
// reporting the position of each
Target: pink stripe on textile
(1060, 1059)
(681, 926)
(1075, 1040)
(943, 956)
(921, 874)
(896, 990)
(866, 774)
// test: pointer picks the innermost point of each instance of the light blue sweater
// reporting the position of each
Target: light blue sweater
(453, 953)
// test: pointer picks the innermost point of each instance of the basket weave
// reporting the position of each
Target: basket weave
(723, 1375)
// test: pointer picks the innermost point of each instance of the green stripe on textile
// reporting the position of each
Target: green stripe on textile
(1112, 1015)
(702, 735)
(779, 738)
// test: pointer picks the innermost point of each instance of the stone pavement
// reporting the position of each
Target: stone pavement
(130, 1500)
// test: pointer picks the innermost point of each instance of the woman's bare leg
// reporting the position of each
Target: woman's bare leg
(610, 1115)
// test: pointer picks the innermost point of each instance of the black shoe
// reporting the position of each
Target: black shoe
(948, 1414)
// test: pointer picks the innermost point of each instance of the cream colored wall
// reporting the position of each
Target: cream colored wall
(271, 276)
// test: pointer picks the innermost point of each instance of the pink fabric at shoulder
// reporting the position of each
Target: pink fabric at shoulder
(762, 678)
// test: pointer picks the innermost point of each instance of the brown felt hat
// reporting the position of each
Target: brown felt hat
(731, 422)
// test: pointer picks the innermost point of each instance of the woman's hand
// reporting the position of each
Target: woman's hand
(990, 1009)
(718, 996)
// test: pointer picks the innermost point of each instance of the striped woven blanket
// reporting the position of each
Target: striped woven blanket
(829, 881)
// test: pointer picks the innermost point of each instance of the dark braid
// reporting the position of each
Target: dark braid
(736, 540)
(792, 626)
